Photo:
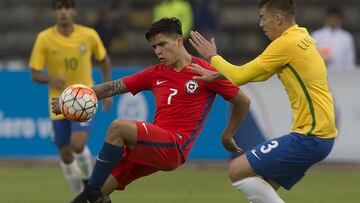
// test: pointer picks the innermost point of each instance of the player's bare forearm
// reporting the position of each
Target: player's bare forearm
(39, 77)
(110, 88)
(55, 82)
(240, 107)
(105, 66)
(241, 104)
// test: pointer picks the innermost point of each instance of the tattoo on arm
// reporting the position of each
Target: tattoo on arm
(117, 87)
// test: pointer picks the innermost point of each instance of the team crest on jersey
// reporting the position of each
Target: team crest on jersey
(82, 48)
(191, 86)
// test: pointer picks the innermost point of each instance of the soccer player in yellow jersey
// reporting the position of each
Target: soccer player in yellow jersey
(293, 57)
(66, 50)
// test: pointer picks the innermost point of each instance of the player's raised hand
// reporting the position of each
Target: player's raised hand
(230, 145)
(204, 47)
(106, 103)
(205, 74)
(55, 106)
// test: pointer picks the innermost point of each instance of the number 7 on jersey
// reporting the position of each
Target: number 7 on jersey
(174, 92)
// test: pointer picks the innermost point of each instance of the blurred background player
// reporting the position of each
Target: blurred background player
(293, 56)
(180, 9)
(138, 149)
(66, 50)
(336, 45)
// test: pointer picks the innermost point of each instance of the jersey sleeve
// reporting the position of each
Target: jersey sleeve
(38, 54)
(225, 89)
(98, 48)
(139, 81)
(275, 56)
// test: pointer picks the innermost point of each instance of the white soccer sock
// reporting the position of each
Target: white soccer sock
(84, 161)
(70, 173)
(257, 190)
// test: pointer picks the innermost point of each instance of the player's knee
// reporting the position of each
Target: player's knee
(234, 171)
(240, 168)
(116, 129)
(77, 147)
(66, 156)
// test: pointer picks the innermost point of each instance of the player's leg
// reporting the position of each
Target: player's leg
(244, 179)
(282, 161)
(61, 130)
(111, 184)
(119, 133)
(124, 175)
(155, 149)
(82, 154)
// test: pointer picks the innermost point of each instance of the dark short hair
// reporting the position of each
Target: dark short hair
(63, 3)
(166, 26)
(334, 11)
(287, 6)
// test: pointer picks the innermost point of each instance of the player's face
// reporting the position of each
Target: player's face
(64, 15)
(334, 21)
(166, 48)
(268, 23)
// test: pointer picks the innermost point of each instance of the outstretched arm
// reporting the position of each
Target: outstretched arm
(110, 88)
(263, 77)
(105, 66)
(237, 75)
(241, 104)
(211, 76)
(102, 91)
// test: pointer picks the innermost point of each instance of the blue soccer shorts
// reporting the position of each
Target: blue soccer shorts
(285, 159)
(63, 128)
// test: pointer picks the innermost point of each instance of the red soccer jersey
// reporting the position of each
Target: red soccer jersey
(182, 104)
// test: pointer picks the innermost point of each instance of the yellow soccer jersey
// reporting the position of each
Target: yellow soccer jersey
(67, 57)
(294, 58)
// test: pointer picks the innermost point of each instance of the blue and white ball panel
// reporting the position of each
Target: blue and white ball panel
(285, 159)
(63, 129)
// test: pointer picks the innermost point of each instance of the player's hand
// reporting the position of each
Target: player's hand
(55, 106)
(205, 74)
(204, 47)
(230, 145)
(106, 103)
(57, 83)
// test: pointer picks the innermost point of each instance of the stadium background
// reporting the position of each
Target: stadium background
(28, 159)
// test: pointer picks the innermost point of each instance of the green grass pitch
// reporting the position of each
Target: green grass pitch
(188, 184)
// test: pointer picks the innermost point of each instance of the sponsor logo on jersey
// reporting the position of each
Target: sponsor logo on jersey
(191, 86)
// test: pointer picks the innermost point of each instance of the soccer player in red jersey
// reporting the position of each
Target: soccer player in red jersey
(133, 149)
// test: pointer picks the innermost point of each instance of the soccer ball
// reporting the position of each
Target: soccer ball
(78, 103)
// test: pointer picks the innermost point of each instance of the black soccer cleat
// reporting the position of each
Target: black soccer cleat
(89, 195)
(85, 182)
